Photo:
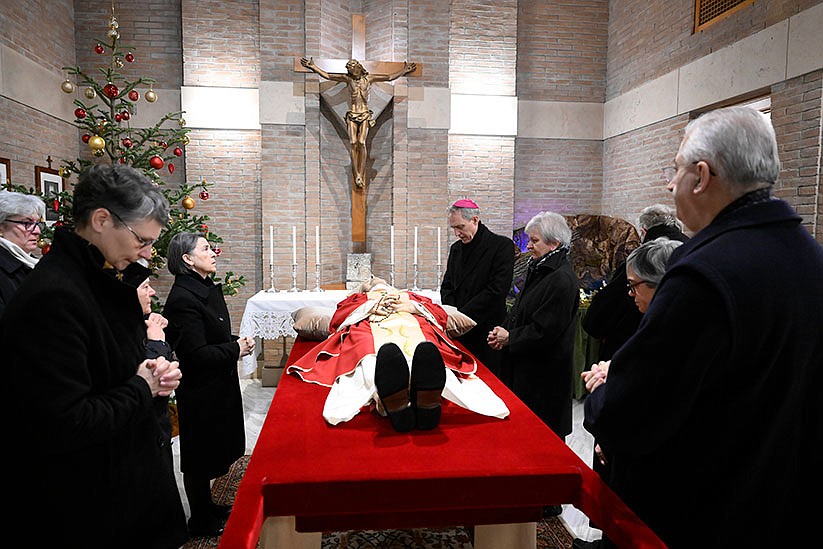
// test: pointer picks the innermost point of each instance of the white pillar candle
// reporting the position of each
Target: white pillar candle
(271, 245)
(392, 245)
(415, 245)
(317, 244)
(293, 245)
(438, 247)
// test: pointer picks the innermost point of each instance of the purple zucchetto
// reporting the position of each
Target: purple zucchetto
(466, 203)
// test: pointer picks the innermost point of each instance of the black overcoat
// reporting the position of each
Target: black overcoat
(713, 407)
(94, 474)
(209, 402)
(12, 274)
(538, 361)
(477, 280)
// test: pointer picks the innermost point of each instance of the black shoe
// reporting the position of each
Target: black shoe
(428, 377)
(552, 510)
(221, 511)
(391, 378)
(205, 526)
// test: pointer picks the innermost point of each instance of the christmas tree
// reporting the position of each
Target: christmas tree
(104, 120)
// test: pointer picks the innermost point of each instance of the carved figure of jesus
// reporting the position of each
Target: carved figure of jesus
(359, 117)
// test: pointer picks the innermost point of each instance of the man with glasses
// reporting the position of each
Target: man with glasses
(710, 411)
(20, 229)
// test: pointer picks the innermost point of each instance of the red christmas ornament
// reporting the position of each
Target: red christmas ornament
(99, 49)
(79, 113)
(218, 251)
(130, 58)
(45, 249)
(134, 95)
(117, 117)
(127, 142)
(110, 90)
(86, 138)
(204, 227)
(163, 145)
(178, 151)
(55, 205)
(171, 167)
(156, 162)
(125, 115)
(204, 194)
(122, 159)
(58, 223)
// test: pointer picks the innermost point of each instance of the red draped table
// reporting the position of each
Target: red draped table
(306, 477)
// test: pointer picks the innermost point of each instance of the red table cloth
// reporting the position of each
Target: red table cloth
(362, 474)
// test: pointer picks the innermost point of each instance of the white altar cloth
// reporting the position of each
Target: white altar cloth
(268, 315)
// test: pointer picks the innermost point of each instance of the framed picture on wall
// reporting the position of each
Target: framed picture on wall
(50, 184)
(5, 173)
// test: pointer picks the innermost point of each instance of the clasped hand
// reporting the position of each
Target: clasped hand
(162, 375)
(596, 377)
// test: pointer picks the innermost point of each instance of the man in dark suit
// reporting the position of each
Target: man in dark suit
(478, 276)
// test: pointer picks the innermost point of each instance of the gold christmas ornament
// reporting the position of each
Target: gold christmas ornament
(151, 96)
(99, 152)
(185, 140)
(188, 203)
(90, 93)
(118, 63)
(97, 143)
(62, 172)
(113, 34)
(67, 86)
(181, 122)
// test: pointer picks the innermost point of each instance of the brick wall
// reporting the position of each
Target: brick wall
(648, 39)
(429, 41)
(152, 28)
(561, 50)
(562, 176)
(221, 43)
(632, 168)
(796, 115)
(282, 32)
(483, 47)
(42, 31)
(482, 168)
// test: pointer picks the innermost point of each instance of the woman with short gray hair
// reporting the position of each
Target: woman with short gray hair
(20, 228)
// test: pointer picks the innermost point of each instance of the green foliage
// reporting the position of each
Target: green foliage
(105, 115)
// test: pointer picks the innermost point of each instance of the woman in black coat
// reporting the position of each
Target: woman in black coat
(20, 227)
(209, 402)
(81, 391)
(537, 337)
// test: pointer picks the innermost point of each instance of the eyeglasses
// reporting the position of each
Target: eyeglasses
(140, 240)
(670, 171)
(632, 286)
(29, 226)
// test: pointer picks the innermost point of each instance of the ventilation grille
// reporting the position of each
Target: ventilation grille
(707, 12)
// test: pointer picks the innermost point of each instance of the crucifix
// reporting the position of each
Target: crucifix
(358, 77)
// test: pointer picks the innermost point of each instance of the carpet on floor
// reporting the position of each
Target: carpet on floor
(552, 533)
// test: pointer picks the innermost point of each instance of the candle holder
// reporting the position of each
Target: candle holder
(437, 288)
(317, 287)
(294, 278)
(414, 285)
(391, 274)
(271, 279)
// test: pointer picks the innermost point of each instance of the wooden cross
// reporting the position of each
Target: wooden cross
(338, 66)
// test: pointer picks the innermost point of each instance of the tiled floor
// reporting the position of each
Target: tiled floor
(256, 400)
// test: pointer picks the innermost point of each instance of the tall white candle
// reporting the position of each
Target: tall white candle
(271, 245)
(415, 245)
(293, 245)
(392, 245)
(438, 247)
(317, 244)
